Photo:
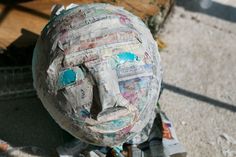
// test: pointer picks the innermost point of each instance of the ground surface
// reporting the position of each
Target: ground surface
(200, 74)
(200, 86)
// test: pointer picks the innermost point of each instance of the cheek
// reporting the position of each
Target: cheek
(134, 89)
(80, 96)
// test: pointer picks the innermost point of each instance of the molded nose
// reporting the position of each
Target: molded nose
(106, 87)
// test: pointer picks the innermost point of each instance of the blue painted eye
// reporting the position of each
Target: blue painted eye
(67, 77)
(127, 56)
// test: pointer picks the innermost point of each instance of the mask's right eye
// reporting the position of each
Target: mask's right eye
(67, 77)
(70, 76)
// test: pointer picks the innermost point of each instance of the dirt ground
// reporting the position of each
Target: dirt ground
(199, 86)
(200, 77)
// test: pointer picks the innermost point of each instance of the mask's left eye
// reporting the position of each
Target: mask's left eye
(67, 77)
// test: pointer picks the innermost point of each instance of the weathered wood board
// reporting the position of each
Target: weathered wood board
(26, 18)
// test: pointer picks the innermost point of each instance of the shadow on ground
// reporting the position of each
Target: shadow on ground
(19, 52)
(218, 10)
(25, 122)
(199, 97)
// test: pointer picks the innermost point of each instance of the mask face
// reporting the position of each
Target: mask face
(100, 68)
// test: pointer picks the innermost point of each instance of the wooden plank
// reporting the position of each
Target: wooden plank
(31, 16)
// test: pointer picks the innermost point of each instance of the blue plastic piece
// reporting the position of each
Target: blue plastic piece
(67, 77)
(118, 150)
(127, 56)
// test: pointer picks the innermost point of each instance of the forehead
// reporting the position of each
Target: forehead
(86, 34)
(100, 44)
(104, 53)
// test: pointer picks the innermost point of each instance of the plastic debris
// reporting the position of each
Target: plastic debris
(183, 123)
(6, 150)
(72, 149)
(160, 43)
(229, 153)
(4, 146)
(205, 4)
(230, 140)
(28, 151)
(227, 144)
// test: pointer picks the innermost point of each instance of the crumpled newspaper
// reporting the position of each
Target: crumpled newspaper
(96, 69)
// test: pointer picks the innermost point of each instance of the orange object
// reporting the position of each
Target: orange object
(160, 43)
(166, 131)
(4, 147)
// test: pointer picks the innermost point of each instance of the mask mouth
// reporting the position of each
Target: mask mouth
(110, 112)
(112, 120)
